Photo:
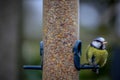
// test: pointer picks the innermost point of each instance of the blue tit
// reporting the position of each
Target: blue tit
(96, 52)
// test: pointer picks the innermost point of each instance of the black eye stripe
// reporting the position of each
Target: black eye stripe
(98, 41)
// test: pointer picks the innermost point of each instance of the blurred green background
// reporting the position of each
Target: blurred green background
(21, 32)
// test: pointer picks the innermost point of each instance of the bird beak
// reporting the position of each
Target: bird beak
(104, 42)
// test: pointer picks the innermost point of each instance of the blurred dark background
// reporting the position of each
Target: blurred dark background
(21, 32)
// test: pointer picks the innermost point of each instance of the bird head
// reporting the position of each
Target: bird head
(99, 43)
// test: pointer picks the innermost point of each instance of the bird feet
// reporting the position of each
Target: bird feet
(96, 70)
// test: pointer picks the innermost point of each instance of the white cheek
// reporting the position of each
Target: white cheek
(96, 44)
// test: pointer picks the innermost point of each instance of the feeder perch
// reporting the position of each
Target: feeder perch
(35, 67)
(77, 56)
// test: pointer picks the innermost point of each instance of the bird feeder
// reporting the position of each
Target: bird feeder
(60, 49)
